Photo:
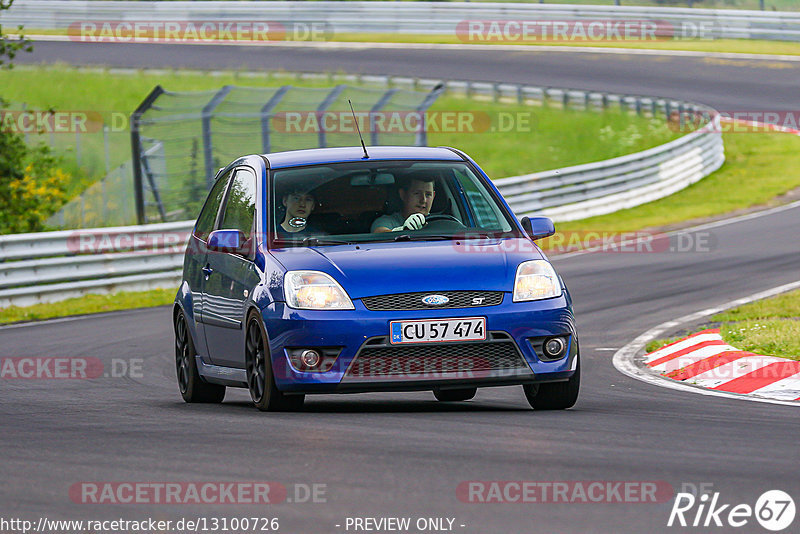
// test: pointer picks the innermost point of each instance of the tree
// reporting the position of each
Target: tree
(31, 184)
(8, 46)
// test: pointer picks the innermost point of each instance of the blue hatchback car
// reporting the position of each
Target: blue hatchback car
(348, 270)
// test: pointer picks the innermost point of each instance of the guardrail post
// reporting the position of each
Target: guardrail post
(136, 150)
(208, 110)
(266, 115)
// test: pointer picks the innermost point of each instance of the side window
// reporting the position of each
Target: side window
(208, 215)
(483, 210)
(240, 206)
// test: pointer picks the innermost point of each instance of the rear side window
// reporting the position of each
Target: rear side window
(241, 204)
(208, 215)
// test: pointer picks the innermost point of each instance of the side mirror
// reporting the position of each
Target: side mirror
(233, 241)
(538, 227)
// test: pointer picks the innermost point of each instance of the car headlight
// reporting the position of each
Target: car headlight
(536, 279)
(314, 290)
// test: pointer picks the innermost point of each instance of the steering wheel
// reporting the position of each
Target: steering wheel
(433, 217)
(443, 222)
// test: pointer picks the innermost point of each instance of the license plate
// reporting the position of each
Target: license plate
(438, 330)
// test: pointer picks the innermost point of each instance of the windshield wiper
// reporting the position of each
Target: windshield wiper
(316, 241)
(424, 237)
(311, 242)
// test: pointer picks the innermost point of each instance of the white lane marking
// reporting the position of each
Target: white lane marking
(357, 45)
(680, 345)
(607, 349)
(693, 357)
(786, 389)
(625, 358)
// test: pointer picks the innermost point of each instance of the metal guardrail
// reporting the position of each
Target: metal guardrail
(52, 266)
(608, 186)
(403, 17)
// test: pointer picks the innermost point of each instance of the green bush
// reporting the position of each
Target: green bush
(32, 185)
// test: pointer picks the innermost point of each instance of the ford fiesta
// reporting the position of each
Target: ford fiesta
(350, 270)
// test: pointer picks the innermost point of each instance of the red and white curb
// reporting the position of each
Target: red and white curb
(705, 360)
(630, 360)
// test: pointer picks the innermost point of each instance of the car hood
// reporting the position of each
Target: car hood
(406, 267)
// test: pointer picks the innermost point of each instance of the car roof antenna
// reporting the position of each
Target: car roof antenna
(366, 156)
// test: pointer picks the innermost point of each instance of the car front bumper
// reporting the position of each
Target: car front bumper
(367, 361)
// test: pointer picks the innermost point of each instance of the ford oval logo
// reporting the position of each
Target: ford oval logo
(435, 300)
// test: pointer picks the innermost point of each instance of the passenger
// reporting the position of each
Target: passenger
(417, 195)
(299, 203)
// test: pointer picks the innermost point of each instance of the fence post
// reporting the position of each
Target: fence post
(24, 109)
(323, 107)
(136, 150)
(266, 115)
(78, 146)
(105, 148)
(208, 110)
(422, 135)
(376, 108)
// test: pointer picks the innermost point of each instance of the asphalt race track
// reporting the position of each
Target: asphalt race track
(404, 454)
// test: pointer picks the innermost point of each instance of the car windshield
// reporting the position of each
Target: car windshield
(374, 200)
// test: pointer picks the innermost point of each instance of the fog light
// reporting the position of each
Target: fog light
(310, 358)
(555, 347)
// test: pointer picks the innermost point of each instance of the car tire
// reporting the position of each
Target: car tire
(454, 395)
(191, 385)
(260, 379)
(555, 395)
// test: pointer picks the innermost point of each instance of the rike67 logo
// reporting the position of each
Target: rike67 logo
(774, 510)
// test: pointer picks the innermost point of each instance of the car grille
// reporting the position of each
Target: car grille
(413, 301)
(496, 356)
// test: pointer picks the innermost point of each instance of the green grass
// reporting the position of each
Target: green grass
(769, 327)
(722, 46)
(88, 304)
(785, 306)
(770, 337)
(553, 138)
(658, 343)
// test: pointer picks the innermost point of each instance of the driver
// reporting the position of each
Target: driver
(299, 203)
(417, 195)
